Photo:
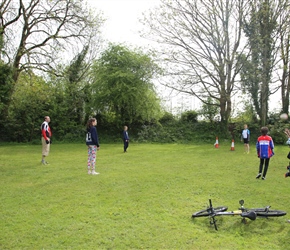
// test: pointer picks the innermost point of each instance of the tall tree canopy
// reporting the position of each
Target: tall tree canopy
(123, 88)
(262, 29)
(283, 21)
(203, 40)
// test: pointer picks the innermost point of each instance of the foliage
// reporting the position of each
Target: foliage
(69, 101)
(123, 91)
(167, 118)
(141, 200)
(76, 88)
(6, 87)
(189, 116)
(182, 131)
(246, 114)
(32, 99)
(209, 109)
(277, 133)
(29, 102)
(284, 37)
(261, 27)
(34, 37)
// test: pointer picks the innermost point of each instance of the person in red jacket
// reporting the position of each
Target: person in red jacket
(265, 150)
(45, 139)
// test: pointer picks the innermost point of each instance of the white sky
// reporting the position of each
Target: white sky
(122, 16)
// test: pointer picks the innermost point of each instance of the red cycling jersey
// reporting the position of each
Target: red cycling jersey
(45, 130)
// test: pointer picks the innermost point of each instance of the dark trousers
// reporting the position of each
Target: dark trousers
(262, 161)
(126, 145)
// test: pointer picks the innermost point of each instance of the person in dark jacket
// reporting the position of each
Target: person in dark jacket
(125, 138)
(92, 141)
(265, 150)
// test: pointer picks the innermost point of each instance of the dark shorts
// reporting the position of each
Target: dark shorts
(246, 141)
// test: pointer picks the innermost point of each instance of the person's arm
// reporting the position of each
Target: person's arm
(125, 137)
(95, 138)
(272, 145)
(258, 148)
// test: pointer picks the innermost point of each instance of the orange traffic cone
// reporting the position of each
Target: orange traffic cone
(233, 145)
(216, 145)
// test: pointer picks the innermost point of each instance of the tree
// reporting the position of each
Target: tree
(30, 101)
(202, 39)
(261, 31)
(285, 78)
(284, 36)
(36, 34)
(76, 94)
(6, 87)
(209, 110)
(123, 89)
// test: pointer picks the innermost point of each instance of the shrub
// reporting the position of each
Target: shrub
(189, 116)
(167, 118)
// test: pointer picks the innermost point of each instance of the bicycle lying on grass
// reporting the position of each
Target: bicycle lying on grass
(251, 214)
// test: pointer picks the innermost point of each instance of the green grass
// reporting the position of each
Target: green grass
(141, 200)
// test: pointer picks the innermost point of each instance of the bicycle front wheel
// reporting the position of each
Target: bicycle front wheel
(270, 213)
(206, 212)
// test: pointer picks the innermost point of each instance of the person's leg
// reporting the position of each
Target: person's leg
(266, 168)
(127, 145)
(89, 159)
(45, 150)
(260, 168)
(94, 157)
(248, 148)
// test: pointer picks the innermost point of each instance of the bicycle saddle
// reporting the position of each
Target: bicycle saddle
(251, 215)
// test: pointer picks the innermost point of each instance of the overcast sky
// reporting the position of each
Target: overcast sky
(122, 19)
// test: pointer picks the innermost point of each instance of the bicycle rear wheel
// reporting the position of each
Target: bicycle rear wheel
(206, 212)
(270, 213)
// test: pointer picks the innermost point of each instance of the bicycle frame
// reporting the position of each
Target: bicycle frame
(242, 212)
(251, 214)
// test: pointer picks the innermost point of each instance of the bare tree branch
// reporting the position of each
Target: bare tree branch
(46, 32)
(202, 41)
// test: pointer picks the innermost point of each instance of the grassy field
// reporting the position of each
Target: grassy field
(143, 199)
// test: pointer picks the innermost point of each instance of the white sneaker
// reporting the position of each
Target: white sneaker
(89, 172)
(94, 173)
